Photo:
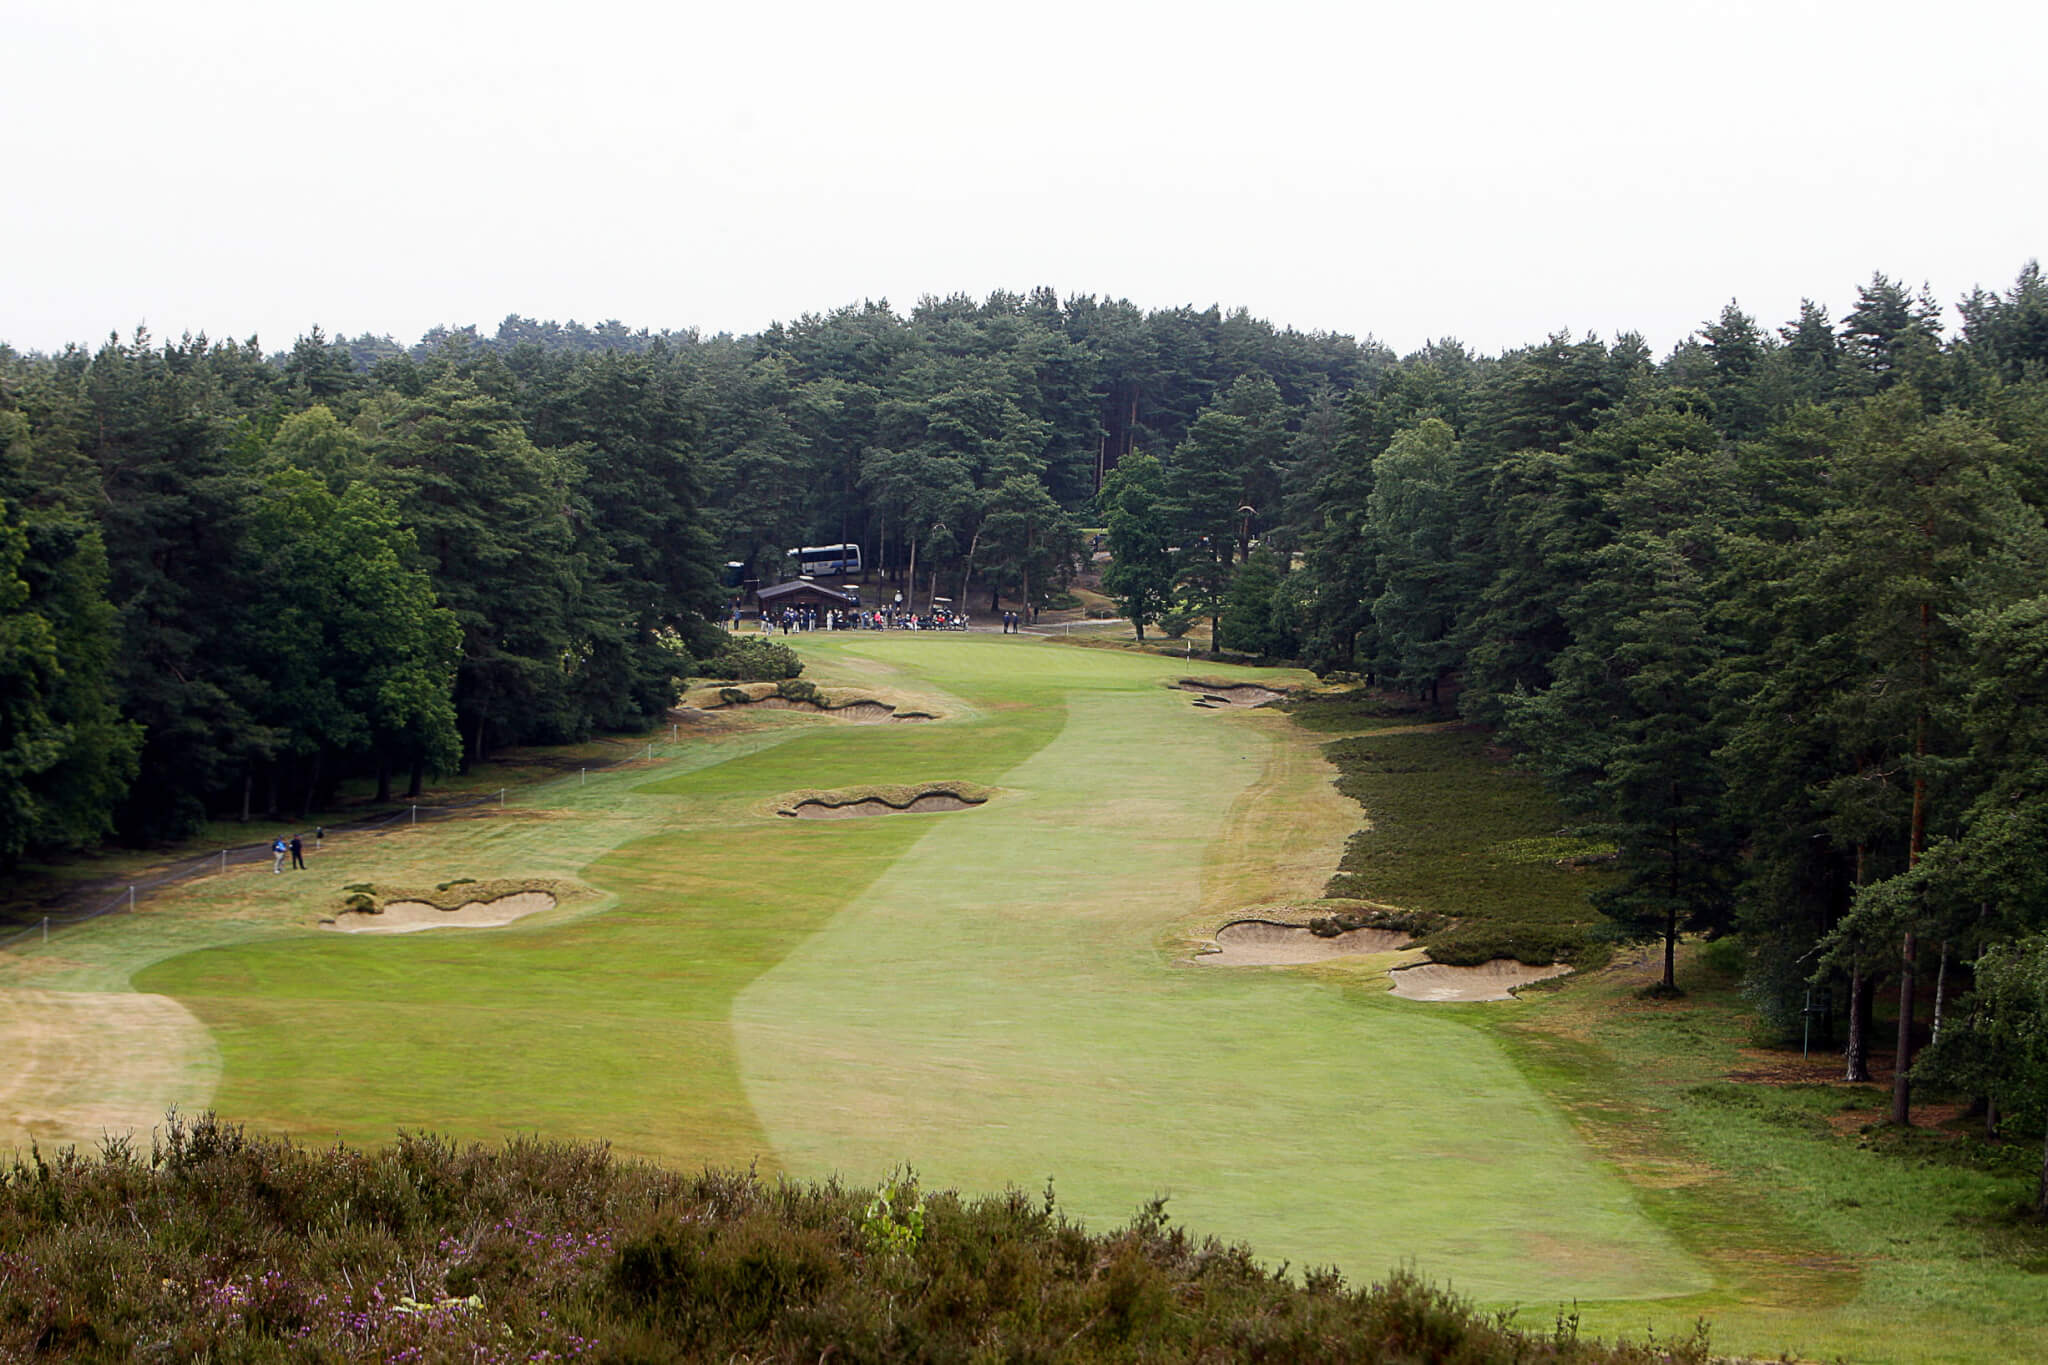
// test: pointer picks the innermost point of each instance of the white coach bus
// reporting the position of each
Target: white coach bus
(827, 561)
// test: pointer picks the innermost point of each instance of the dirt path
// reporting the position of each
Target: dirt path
(81, 1064)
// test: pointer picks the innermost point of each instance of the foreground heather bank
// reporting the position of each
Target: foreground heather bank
(218, 1245)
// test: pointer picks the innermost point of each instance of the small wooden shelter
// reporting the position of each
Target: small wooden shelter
(802, 592)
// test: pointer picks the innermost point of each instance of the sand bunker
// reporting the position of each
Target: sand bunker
(831, 702)
(1495, 980)
(1230, 694)
(406, 917)
(823, 808)
(853, 710)
(1268, 943)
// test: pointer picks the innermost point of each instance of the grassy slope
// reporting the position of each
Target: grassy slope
(1827, 1242)
(609, 1025)
(1822, 1241)
(1117, 1071)
(999, 1006)
(1817, 1243)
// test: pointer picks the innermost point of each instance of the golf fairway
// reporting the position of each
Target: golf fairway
(993, 996)
(999, 1007)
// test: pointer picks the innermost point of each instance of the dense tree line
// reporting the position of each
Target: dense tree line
(228, 581)
(231, 579)
(1771, 616)
(1768, 613)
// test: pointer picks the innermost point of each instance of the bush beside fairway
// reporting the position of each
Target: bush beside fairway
(1460, 832)
(216, 1247)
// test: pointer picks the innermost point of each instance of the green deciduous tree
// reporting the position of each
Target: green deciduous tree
(359, 657)
(1626, 736)
(1140, 573)
(1027, 539)
(494, 515)
(1417, 519)
(1252, 620)
(1998, 1045)
(70, 754)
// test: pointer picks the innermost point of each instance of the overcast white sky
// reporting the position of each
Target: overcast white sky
(1492, 170)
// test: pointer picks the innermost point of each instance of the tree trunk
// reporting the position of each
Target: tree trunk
(1862, 987)
(248, 791)
(1940, 981)
(312, 785)
(967, 569)
(383, 773)
(1902, 1084)
(1670, 914)
(419, 775)
(1991, 1118)
(2041, 1195)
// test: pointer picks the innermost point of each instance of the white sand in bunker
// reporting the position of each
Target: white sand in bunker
(79, 1064)
(1495, 980)
(854, 810)
(1229, 694)
(1267, 943)
(838, 703)
(856, 710)
(407, 917)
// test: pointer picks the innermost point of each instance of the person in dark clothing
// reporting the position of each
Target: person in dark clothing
(298, 854)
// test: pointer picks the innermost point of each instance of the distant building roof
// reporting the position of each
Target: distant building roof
(798, 590)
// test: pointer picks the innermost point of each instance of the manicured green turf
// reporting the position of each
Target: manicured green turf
(1828, 1245)
(1000, 995)
(997, 1008)
(984, 994)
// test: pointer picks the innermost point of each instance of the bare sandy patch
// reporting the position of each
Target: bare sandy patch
(853, 810)
(406, 917)
(1229, 694)
(859, 706)
(81, 1064)
(853, 803)
(1495, 980)
(1268, 943)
